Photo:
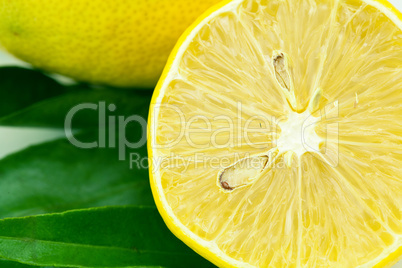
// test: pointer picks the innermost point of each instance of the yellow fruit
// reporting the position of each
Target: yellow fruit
(275, 134)
(120, 43)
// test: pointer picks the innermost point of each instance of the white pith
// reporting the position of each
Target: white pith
(298, 134)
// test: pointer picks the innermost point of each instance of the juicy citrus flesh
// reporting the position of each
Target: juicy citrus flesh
(121, 43)
(330, 195)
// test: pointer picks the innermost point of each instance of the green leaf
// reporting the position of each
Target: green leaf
(57, 176)
(52, 112)
(11, 264)
(103, 237)
(30, 98)
(20, 88)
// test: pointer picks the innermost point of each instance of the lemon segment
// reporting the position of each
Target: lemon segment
(310, 89)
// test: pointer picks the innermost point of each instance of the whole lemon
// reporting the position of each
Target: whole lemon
(122, 43)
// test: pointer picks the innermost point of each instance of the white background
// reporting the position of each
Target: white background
(14, 139)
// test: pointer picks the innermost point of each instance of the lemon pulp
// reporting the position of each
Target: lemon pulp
(314, 87)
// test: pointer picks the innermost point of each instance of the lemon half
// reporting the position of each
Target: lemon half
(275, 134)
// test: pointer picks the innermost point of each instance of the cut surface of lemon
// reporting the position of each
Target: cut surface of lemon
(275, 134)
